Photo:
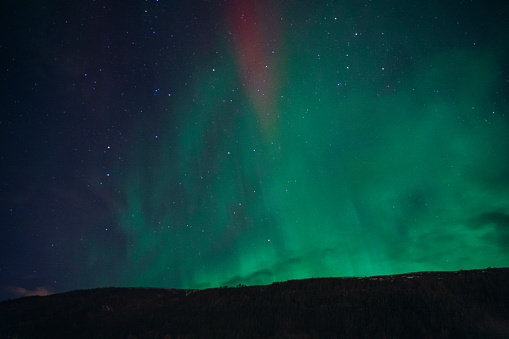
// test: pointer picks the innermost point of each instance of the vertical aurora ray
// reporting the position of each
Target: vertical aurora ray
(255, 38)
(365, 165)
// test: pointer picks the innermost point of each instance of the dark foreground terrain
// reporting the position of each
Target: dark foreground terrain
(464, 304)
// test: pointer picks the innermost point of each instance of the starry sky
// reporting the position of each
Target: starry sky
(196, 144)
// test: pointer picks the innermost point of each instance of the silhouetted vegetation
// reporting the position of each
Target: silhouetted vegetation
(464, 304)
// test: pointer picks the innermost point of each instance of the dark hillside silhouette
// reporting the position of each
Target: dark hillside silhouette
(462, 304)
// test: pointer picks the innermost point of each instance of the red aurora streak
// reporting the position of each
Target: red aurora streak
(254, 34)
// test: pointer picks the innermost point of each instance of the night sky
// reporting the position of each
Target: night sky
(196, 144)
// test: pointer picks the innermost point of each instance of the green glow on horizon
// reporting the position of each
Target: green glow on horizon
(356, 179)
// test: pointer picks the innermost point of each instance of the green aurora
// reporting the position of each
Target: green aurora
(381, 149)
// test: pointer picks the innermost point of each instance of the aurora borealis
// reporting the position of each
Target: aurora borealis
(236, 142)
